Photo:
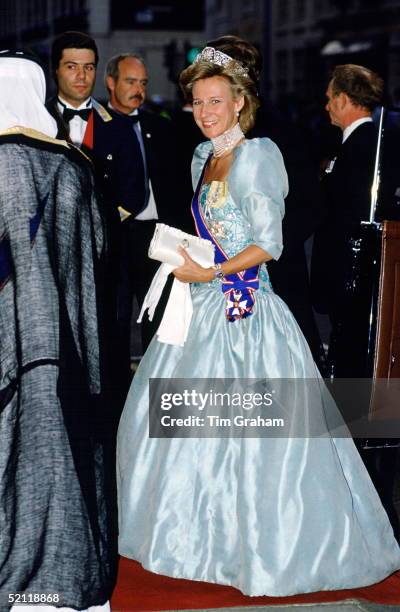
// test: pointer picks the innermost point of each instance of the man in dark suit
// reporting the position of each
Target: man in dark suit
(347, 180)
(353, 93)
(126, 80)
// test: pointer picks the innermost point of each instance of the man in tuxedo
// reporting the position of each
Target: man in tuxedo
(82, 120)
(126, 80)
(353, 93)
(117, 162)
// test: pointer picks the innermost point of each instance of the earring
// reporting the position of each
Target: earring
(237, 113)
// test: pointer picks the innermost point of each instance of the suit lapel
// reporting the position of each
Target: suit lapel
(63, 128)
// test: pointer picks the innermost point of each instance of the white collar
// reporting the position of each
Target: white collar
(134, 112)
(86, 104)
(350, 128)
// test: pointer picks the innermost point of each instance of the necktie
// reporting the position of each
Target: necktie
(136, 126)
(69, 113)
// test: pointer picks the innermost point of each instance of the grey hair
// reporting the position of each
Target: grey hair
(112, 68)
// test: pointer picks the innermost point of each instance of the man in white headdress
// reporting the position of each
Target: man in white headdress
(55, 546)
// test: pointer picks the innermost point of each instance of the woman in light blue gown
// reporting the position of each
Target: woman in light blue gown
(269, 516)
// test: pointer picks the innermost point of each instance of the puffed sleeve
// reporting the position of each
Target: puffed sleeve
(258, 183)
(200, 155)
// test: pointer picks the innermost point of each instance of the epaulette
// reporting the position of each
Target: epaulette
(103, 112)
(75, 148)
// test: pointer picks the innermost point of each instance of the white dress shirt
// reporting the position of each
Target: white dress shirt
(77, 126)
(150, 212)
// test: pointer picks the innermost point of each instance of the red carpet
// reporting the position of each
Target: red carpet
(139, 590)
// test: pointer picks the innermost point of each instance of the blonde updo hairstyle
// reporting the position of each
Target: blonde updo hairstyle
(244, 55)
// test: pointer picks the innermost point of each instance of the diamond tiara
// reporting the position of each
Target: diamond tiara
(209, 54)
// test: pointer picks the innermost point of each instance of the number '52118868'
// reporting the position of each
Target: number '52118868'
(29, 598)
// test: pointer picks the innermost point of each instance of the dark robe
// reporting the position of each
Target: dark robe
(54, 476)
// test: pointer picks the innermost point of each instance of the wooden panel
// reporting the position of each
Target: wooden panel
(385, 396)
(387, 355)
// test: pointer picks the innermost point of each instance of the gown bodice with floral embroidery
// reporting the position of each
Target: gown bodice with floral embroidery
(228, 224)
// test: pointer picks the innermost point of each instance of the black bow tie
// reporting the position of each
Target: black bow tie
(134, 118)
(69, 113)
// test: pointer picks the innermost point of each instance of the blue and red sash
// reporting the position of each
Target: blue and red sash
(239, 289)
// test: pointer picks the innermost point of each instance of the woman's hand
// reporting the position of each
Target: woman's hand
(192, 272)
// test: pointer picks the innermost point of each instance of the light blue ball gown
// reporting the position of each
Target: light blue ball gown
(269, 516)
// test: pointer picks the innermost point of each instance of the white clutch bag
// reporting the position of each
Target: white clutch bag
(164, 247)
(167, 240)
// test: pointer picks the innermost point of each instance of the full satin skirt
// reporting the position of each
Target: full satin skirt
(269, 516)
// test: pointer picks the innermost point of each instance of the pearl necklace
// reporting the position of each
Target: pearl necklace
(226, 141)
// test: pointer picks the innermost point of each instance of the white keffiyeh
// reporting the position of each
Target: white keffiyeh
(22, 96)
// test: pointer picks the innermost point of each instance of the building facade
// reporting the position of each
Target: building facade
(301, 40)
(117, 26)
(249, 20)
